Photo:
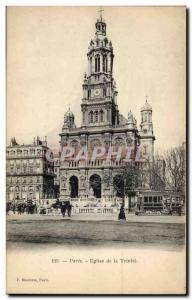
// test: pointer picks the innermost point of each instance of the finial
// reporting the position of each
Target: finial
(100, 11)
(146, 98)
(68, 104)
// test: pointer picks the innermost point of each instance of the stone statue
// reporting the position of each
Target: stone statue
(91, 193)
(82, 178)
(63, 178)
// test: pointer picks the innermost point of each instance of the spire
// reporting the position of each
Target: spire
(132, 123)
(100, 24)
(100, 11)
(13, 142)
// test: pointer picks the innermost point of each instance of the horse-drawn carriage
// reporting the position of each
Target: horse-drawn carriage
(55, 207)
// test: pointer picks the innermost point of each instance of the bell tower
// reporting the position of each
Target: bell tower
(99, 104)
(147, 137)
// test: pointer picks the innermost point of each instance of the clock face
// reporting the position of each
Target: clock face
(96, 92)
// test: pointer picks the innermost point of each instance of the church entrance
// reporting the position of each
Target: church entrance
(73, 183)
(118, 185)
(95, 185)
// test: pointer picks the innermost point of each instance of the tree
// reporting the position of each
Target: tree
(166, 171)
(158, 179)
(125, 181)
(169, 170)
(175, 168)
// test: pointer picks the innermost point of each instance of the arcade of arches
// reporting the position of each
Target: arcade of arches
(73, 182)
(94, 186)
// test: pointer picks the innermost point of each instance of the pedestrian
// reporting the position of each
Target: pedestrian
(179, 210)
(69, 208)
(19, 209)
(170, 209)
(63, 208)
(7, 208)
(122, 213)
(14, 208)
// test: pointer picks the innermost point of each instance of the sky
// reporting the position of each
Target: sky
(46, 61)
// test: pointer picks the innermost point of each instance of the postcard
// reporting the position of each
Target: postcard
(96, 198)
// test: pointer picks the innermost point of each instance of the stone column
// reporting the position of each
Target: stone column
(109, 63)
(89, 66)
(101, 63)
(84, 92)
(93, 64)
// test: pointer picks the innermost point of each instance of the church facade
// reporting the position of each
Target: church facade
(102, 127)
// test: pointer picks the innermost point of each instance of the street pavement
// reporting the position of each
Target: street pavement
(95, 230)
(103, 217)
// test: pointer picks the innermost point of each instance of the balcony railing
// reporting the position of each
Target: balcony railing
(15, 156)
(94, 164)
(8, 173)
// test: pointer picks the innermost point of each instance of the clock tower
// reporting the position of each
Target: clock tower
(99, 103)
(87, 171)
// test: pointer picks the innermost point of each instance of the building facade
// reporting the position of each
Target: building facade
(29, 174)
(102, 126)
(56, 160)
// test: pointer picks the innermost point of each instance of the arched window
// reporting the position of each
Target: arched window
(89, 93)
(104, 63)
(97, 63)
(90, 64)
(146, 117)
(91, 117)
(73, 186)
(101, 116)
(104, 92)
(108, 115)
(95, 185)
(96, 116)
(83, 116)
(118, 184)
